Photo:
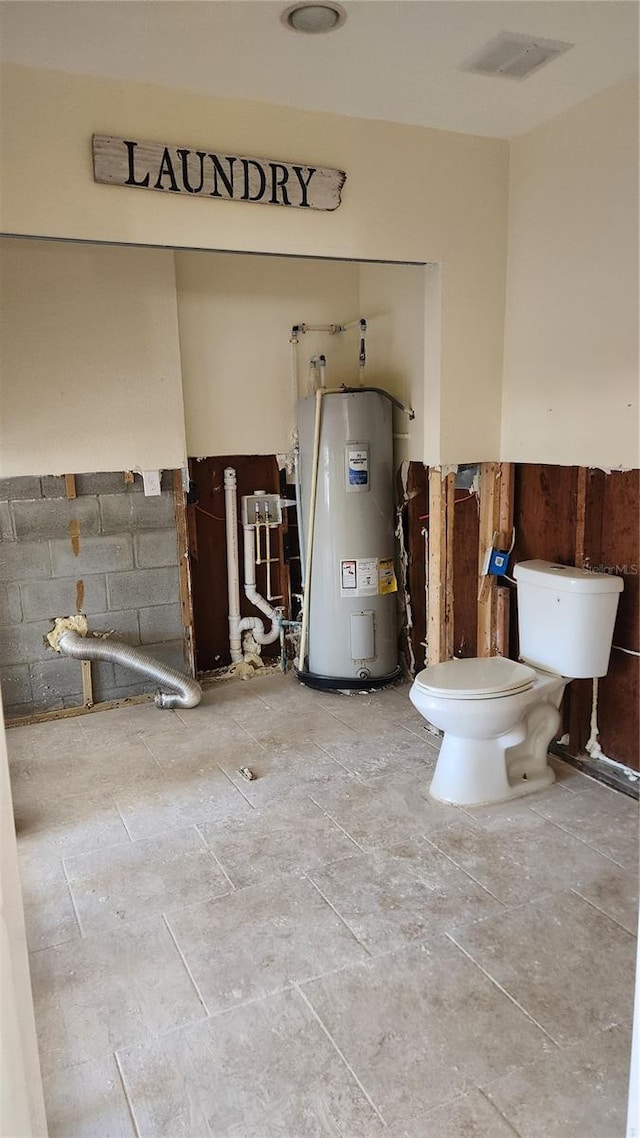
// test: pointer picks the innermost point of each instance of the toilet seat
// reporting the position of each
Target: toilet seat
(487, 678)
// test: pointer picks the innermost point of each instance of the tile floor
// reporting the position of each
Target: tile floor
(322, 952)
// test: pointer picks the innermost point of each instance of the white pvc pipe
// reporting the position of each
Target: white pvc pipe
(294, 387)
(268, 559)
(252, 595)
(296, 478)
(233, 569)
(304, 633)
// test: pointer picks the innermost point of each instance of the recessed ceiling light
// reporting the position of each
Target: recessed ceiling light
(312, 17)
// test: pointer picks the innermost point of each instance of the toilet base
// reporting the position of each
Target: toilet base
(478, 776)
(476, 772)
(496, 748)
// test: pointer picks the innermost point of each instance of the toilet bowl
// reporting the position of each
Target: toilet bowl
(498, 718)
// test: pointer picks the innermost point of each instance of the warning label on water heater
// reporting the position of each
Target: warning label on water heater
(359, 577)
(367, 577)
(387, 576)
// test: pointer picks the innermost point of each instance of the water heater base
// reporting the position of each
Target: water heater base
(347, 683)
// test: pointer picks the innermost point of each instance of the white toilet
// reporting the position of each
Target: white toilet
(499, 716)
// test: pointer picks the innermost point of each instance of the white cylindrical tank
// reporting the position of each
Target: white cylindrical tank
(352, 619)
(566, 617)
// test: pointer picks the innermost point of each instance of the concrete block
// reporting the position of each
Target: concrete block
(156, 548)
(63, 596)
(161, 623)
(15, 683)
(171, 653)
(123, 624)
(52, 680)
(24, 643)
(103, 681)
(15, 489)
(105, 686)
(10, 606)
(55, 517)
(7, 532)
(143, 588)
(141, 688)
(132, 682)
(20, 711)
(134, 512)
(106, 482)
(95, 555)
(24, 561)
(53, 486)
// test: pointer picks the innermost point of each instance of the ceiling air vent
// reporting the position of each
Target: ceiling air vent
(514, 56)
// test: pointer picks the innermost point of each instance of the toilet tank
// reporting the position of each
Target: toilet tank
(566, 617)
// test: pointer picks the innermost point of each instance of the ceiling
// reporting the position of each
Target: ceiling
(397, 60)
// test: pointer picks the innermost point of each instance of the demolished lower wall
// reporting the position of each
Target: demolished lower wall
(110, 553)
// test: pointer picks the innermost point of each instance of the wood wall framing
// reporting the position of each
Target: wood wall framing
(572, 515)
(590, 518)
(207, 541)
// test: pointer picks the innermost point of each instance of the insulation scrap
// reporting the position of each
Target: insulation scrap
(62, 624)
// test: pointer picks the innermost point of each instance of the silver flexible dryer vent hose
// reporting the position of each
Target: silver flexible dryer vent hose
(185, 692)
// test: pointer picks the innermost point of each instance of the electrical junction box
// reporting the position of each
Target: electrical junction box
(498, 563)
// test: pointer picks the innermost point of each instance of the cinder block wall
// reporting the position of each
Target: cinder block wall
(110, 553)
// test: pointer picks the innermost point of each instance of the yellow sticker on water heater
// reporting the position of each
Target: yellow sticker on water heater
(386, 577)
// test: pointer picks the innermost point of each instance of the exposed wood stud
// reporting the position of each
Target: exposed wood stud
(70, 485)
(505, 526)
(436, 568)
(440, 566)
(71, 712)
(184, 566)
(489, 522)
(581, 515)
(417, 507)
(87, 684)
(496, 532)
(450, 492)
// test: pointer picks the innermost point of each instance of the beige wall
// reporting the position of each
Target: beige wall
(89, 359)
(393, 299)
(571, 359)
(235, 316)
(21, 1101)
(570, 376)
(411, 195)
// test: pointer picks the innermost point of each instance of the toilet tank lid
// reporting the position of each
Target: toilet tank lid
(566, 578)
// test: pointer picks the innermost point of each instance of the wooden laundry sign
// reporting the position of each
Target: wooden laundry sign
(201, 173)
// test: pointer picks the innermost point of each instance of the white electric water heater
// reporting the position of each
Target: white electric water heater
(352, 639)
